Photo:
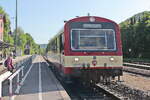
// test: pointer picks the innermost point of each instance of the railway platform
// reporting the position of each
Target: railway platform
(39, 83)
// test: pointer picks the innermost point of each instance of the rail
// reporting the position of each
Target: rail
(137, 66)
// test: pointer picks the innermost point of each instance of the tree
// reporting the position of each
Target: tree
(22, 39)
(136, 36)
(7, 38)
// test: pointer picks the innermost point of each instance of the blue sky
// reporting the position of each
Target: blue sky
(44, 18)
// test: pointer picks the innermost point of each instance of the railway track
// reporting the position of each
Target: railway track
(139, 69)
(79, 91)
(124, 92)
(139, 66)
(114, 91)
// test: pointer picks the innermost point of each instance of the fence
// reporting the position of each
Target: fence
(10, 76)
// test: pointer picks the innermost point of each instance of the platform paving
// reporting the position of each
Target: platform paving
(41, 84)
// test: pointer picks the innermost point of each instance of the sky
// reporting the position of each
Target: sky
(44, 18)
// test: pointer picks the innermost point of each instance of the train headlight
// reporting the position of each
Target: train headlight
(92, 19)
(111, 58)
(76, 59)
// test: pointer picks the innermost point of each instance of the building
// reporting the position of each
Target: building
(3, 45)
(1, 27)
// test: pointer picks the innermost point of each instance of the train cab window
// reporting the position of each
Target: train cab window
(93, 39)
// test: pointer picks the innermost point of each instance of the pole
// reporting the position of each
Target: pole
(0, 90)
(10, 89)
(16, 26)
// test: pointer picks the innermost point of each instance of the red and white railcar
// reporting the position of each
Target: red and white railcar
(89, 48)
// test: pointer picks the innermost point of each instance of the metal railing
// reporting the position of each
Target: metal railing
(17, 73)
(3, 78)
(10, 76)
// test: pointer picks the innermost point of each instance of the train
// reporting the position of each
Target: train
(88, 48)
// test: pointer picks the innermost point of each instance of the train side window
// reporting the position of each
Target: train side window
(53, 46)
(61, 43)
(56, 45)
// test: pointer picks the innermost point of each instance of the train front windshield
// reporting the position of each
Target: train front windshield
(93, 40)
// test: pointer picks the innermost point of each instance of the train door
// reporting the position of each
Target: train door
(61, 49)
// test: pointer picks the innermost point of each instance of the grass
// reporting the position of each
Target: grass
(136, 60)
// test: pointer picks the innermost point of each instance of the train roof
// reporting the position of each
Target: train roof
(83, 18)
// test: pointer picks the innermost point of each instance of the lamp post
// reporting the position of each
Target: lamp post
(16, 20)
(130, 54)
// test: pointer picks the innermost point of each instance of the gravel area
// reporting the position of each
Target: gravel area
(132, 87)
(136, 81)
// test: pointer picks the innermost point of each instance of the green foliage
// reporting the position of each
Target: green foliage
(136, 36)
(20, 39)
(7, 38)
(24, 39)
(34, 48)
(42, 51)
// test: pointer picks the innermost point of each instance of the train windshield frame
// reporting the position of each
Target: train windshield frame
(93, 40)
